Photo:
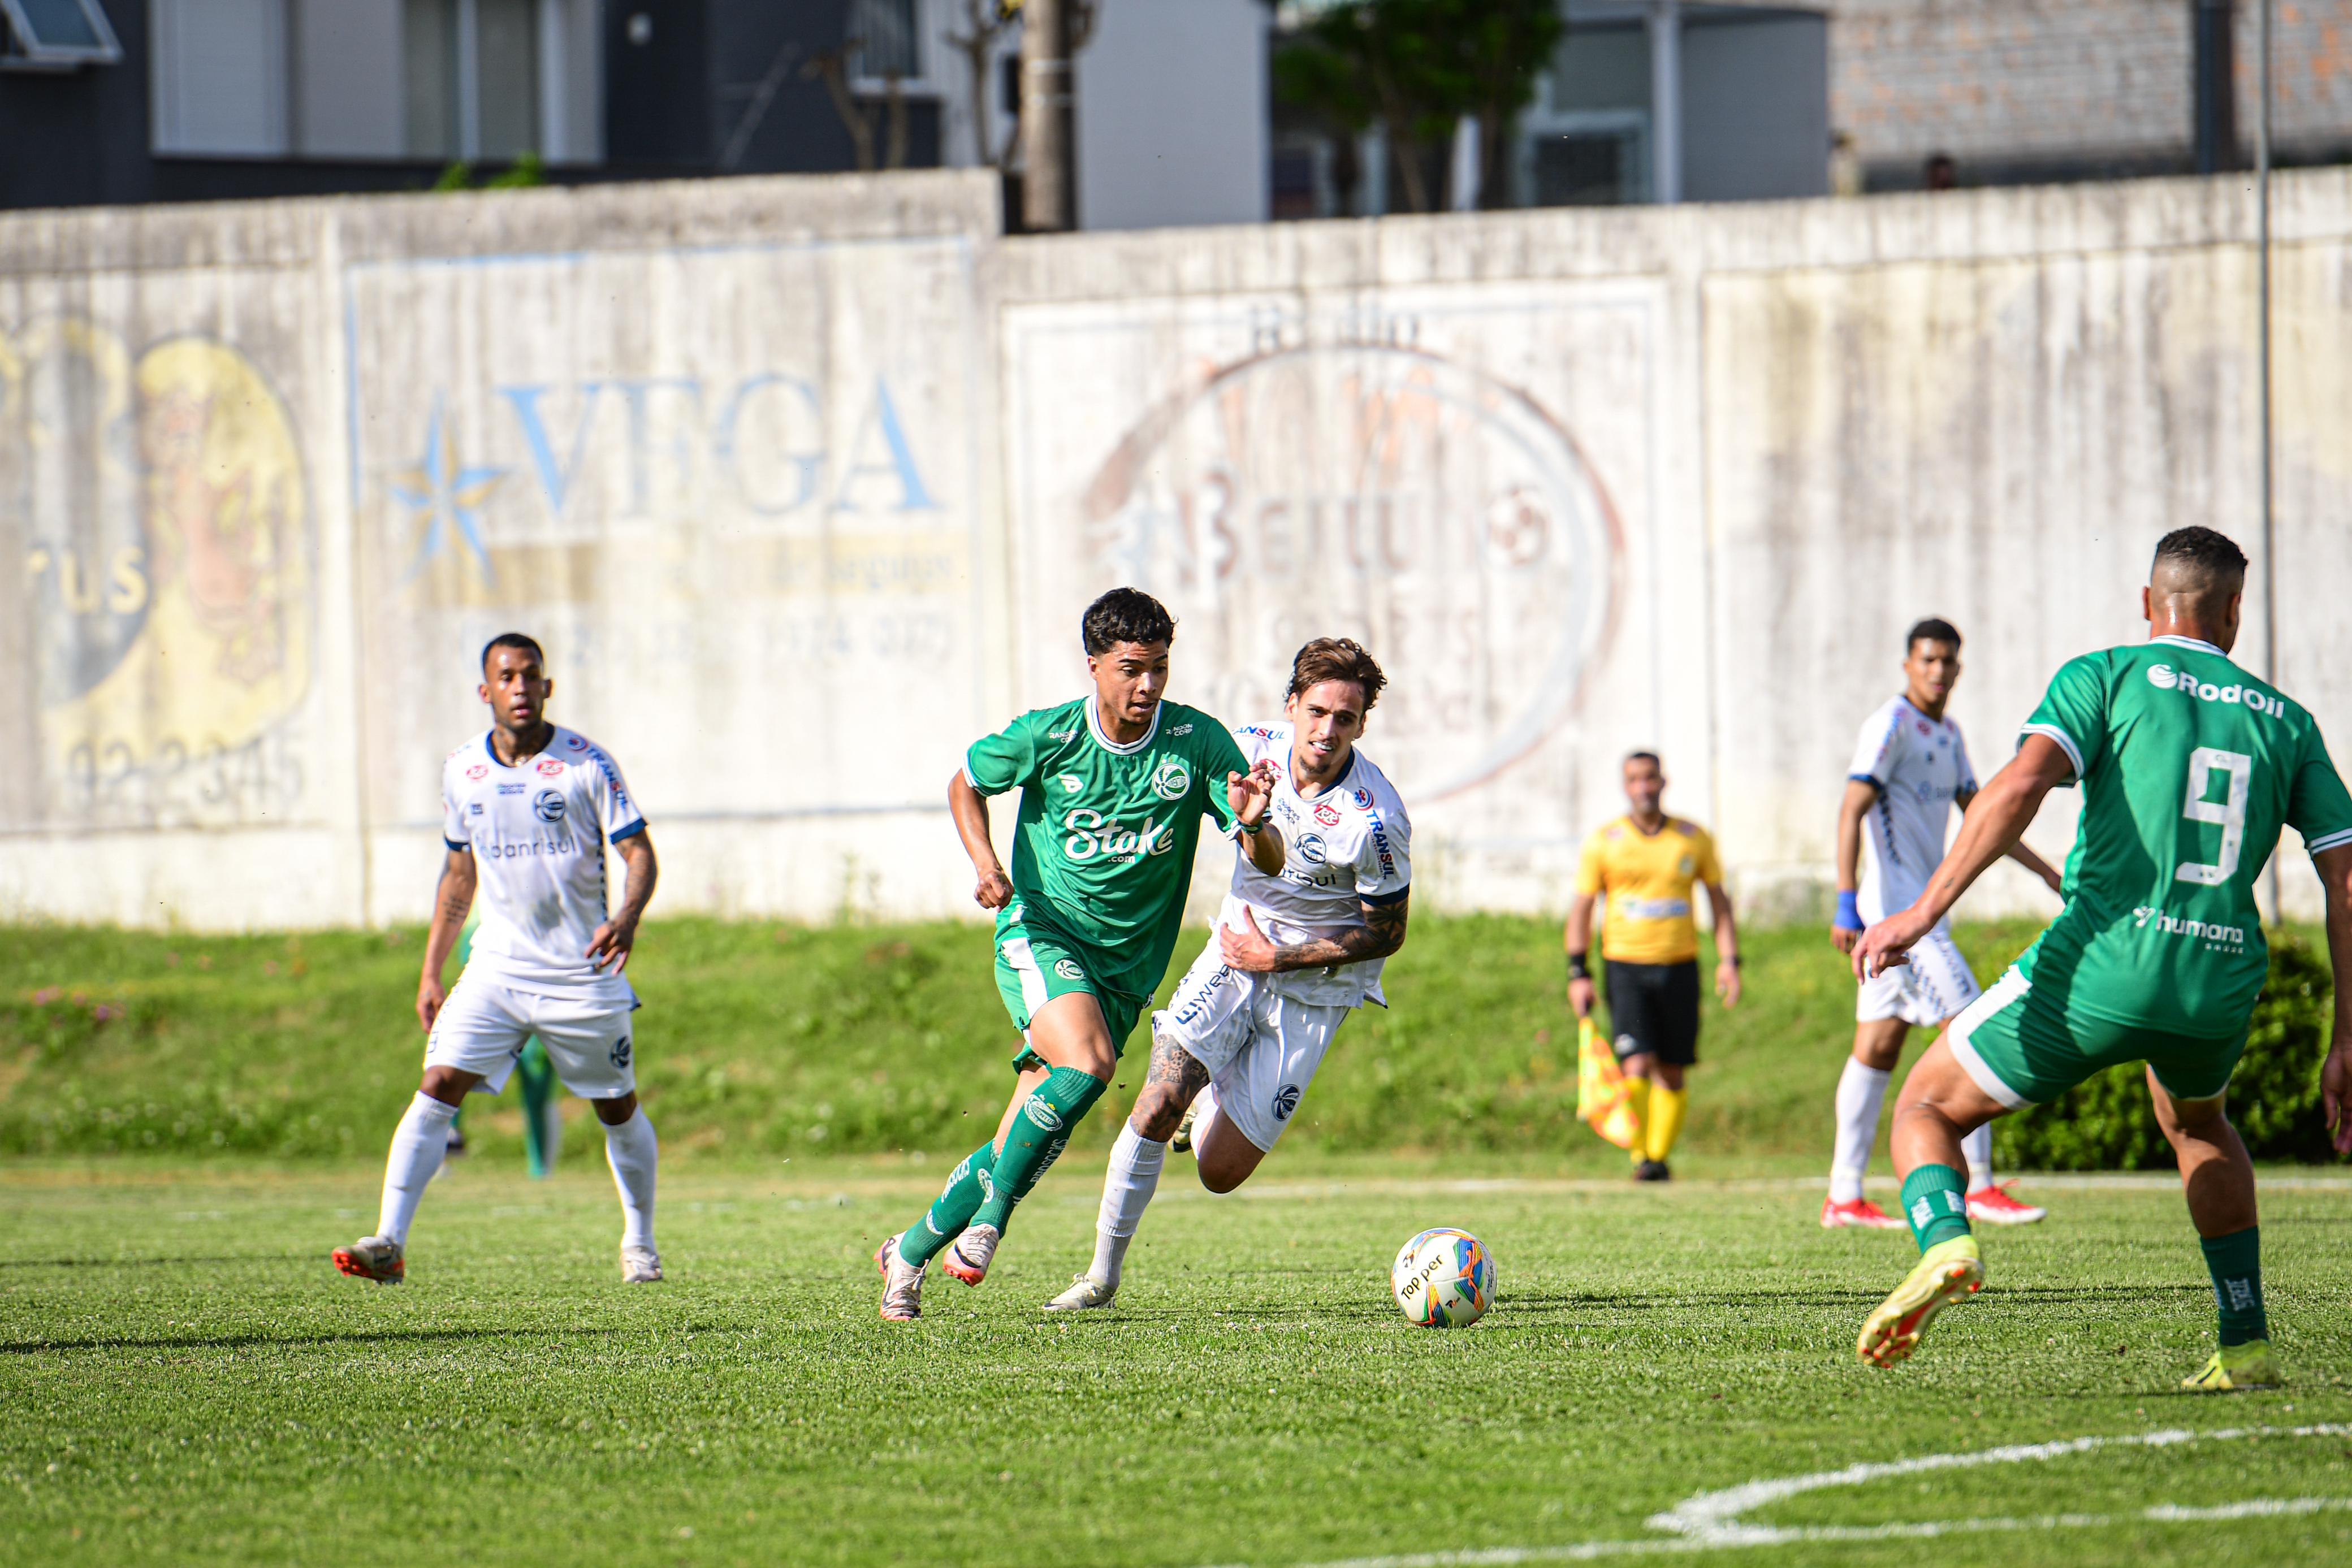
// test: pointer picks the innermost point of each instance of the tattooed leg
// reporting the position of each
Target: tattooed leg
(1175, 1077)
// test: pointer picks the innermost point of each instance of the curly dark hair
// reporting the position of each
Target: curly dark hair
(1934, 628)
(1337, 659)
(1125, 615)
(2212, 559)
(514, 640)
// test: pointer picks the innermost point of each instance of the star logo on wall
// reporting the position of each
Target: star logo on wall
(448, 495)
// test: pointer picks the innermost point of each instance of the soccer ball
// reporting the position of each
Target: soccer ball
(1444, 1279)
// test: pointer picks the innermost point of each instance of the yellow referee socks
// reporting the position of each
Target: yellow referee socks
(1637, 1100)
(1663, 1124)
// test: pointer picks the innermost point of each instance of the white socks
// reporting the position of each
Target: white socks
(1977, 1147)
(1128, 1185)
(633, 1152)
(1861, 1096)
(418, 1146)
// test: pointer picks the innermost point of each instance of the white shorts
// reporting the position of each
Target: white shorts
(1261, 1048)
(484, 1025)
(1936, 984)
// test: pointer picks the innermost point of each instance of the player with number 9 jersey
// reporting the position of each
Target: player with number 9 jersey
(2189, 768)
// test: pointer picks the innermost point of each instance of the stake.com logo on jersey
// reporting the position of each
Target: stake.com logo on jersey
(1091, 836)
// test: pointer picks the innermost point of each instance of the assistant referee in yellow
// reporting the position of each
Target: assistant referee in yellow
(1646, 865)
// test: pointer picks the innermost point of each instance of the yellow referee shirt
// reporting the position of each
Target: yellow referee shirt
(1647, 879)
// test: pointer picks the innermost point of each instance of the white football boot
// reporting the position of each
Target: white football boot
(640, 1265)
(1086, 1294)
(970, 1255)
(902, 1283)
(377, 1258)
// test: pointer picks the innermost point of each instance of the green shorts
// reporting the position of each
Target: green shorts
(1033, 967)
(2026, 1047)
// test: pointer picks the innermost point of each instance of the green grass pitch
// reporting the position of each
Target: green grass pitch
(184, 1378)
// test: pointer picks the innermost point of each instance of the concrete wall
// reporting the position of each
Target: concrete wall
(805, 484)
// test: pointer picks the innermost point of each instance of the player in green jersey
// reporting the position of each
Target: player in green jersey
(1113, 787)
(2188, 768)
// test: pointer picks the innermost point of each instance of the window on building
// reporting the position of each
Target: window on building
(889, 39)
(221, 78)
(472, 77)
(434, 79)
(1600, 168)
(56, 35)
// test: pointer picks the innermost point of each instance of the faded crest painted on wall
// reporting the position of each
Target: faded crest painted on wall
(159, 497)
(1380, 491)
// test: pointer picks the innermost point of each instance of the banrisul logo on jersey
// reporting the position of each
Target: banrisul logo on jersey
(1172, 779)
(1090, 836)
(2172, 680)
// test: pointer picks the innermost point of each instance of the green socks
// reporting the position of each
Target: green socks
(952, 1209)
(1036, 1138)
(2235, 1261)
(1935, 1200)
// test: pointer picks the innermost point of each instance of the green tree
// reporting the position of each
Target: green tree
(1417, 68)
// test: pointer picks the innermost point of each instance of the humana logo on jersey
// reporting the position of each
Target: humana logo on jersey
(1091, 836)
(2205, 931)
(2172, 680)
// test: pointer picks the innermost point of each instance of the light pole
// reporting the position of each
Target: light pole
(1049, 195)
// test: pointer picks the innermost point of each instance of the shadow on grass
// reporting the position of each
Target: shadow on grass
(296, 1340)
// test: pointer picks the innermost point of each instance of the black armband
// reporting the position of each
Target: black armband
(1578, 969)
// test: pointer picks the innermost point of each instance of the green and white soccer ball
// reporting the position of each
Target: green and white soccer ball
(1444, 1279)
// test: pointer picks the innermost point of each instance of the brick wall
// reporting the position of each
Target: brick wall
(2013, 88)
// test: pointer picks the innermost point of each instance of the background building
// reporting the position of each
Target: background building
(2026, 91)
(127, 101)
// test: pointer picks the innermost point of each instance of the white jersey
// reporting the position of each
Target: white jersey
(538, 834)
(1348, 846)
(1921, 767)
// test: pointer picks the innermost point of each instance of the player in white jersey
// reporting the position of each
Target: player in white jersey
(1910, 768)
(1292, 954)
(528, 809)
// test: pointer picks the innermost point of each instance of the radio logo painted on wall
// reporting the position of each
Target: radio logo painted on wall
(1380, 491)
(161, 499)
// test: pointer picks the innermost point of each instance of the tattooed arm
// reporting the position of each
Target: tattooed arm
(1382, 934)
(451, 901)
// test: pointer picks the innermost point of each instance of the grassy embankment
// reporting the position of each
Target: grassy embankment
(760, 1042)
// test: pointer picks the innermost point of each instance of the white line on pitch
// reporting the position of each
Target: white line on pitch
(1711, 1521)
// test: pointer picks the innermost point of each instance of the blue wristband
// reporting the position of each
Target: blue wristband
(1849, 914)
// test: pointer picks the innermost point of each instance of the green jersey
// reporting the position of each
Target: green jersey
(2188, 768)
(1103, 854)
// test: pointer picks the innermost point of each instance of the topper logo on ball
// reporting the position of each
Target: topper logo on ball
(1380, 491)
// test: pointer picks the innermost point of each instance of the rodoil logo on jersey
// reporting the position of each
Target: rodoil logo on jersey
(2172, 680)
(1090, 835)
(2232, 937)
